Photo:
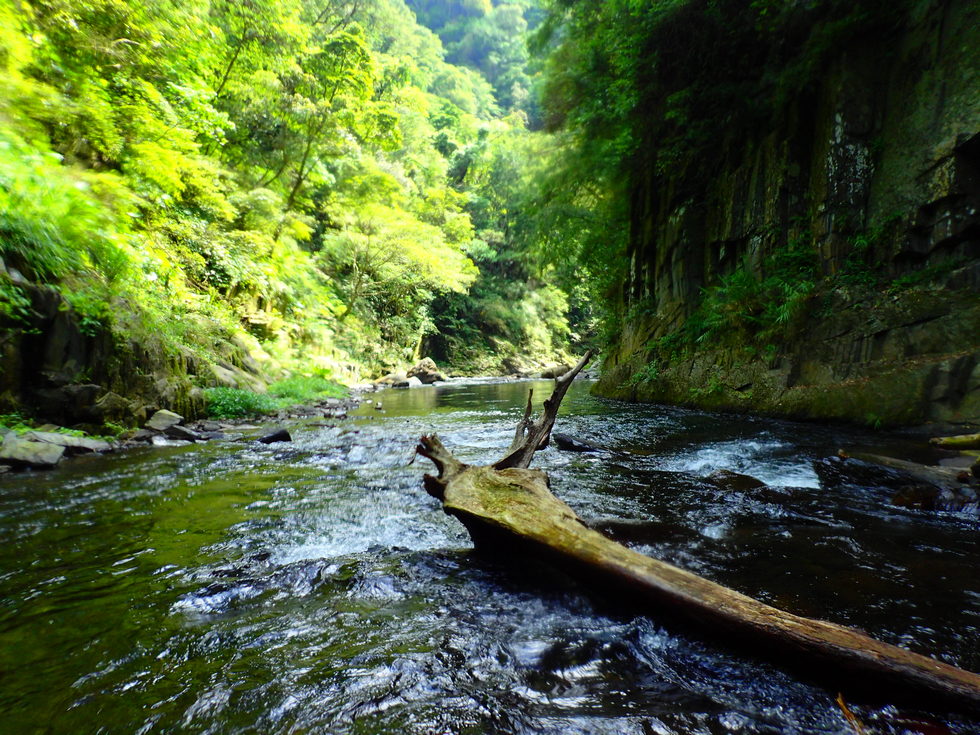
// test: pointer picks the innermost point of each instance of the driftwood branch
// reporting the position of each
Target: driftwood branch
(532, 437)
(510, 508)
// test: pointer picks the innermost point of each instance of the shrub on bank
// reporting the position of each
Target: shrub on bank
(235, 403)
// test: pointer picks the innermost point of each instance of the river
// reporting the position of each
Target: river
(313, 587)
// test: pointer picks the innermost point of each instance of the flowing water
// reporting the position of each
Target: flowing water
(314, 587)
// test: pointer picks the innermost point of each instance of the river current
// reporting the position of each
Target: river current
(314, 587)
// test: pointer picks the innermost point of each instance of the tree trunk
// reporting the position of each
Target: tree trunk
(509, 508)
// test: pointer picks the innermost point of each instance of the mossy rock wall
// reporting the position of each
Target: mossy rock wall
(887, 141)
(870, 360)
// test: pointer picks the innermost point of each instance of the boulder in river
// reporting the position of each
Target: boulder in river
(163, 420)
(19, 452)
(426, 371)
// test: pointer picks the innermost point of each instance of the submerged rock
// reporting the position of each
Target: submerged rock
(569, 443)
(728, 480)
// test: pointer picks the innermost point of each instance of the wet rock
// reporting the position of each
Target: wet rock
(209, 426)
(20, 452)
(143, 435)
(281, 435)
(568, 443)
(4, 469)
(412, 382)
(182, 432)
(728, 480)
(72, 444)
(835, 472)
(214, 435)
(391, 379)
(929, 497)
(163, 420)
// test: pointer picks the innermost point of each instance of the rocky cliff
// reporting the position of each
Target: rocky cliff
(875, 171)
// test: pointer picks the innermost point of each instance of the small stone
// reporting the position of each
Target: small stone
(281, 435)
(4, 469)
(163, 420)
(143, 435)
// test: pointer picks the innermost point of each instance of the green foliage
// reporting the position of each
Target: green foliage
(235, 403)
(646, 374)
(188, 173)
(15, 422)
(925, 275)
(302, 388)
(748, 308)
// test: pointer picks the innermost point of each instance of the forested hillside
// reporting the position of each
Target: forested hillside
(231, 190)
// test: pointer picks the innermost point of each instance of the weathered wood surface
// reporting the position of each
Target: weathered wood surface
(512, 508)
(962, 441)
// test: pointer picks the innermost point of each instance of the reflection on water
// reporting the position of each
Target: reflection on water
(315, 587)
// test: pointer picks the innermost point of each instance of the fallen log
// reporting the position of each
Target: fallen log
(510, 508)
(962, 441)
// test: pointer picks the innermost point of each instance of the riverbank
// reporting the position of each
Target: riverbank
(881, 358)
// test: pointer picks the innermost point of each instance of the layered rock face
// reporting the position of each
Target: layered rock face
(888, 143)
